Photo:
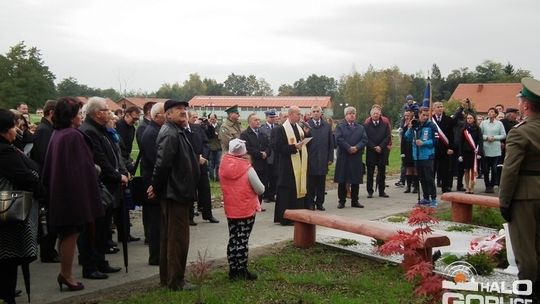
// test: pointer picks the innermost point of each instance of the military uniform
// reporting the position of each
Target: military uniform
(519, 193)
(229, 130)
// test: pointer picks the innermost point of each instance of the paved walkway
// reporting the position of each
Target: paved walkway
(211, 237)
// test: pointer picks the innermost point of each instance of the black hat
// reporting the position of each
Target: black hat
(511, 110)
(171, 103)
(530, 90)
(233, 109)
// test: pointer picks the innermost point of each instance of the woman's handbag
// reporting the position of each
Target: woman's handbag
(14, 206)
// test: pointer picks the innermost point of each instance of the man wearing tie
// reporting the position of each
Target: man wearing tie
(321, 155)
(377, 152)
(444, 148)
(258, 147)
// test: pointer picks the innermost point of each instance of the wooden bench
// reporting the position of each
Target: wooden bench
(462, 204)
(305, 222)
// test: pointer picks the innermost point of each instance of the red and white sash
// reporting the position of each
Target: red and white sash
(440, 134)
(474, 146)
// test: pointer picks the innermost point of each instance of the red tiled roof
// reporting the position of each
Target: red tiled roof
(487, 95)
(139, 101)
(261, 101)
(112, 105)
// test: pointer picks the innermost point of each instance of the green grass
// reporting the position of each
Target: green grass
(482, 216)
(460, 228)
(346, 242)
(292, 275)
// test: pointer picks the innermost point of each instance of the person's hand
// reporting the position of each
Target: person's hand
(299, 145)
(478, 156)
(352, 150)
(377, 149)
(329, 162)
(402, 155)
(460, 159)
(419, 142)
(450, 152)
(150, 192)
(202, 160)
(124, 180)
(263, 155)
(506, 213)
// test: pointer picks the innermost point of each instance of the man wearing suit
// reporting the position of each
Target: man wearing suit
(266, 128)
(445, 147)
(197, 137)
(378, 133)
(212, 132)
(321, 155)
(258, 147)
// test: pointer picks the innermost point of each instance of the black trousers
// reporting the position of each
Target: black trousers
(153, 212)
(286, 199)
(237, 249)
(443, 167)
(427, 178)
(490, 166)
(316, 185)
(381, 177)
(270, 185)
(92, 243)
(8, 280)
(204, 202)
(342, 193)
(263, 176)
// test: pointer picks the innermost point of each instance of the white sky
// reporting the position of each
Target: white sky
(139, 45)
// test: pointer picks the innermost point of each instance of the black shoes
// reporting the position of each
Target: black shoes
(321, 208)
(370, 195)
(357, 205)
(112, 250)
(340, 206)
(383, 195)
(53, 259)
(211, 219)
(192, 223)
(95, 275)
(109, 269)
(242, 275)
(461, 189)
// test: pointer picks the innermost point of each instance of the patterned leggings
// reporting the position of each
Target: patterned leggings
(237, 250)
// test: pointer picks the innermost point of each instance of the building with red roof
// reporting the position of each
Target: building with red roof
(486, 95)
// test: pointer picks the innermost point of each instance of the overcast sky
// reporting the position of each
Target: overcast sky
(141, 44)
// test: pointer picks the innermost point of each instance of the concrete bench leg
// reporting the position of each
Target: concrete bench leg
(461, 213)
(304, 235)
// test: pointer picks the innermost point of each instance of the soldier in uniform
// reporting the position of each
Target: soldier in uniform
(519, 193)
(230, 128)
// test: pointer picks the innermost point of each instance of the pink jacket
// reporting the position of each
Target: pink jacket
(240, 201)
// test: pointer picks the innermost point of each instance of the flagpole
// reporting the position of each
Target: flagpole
(430, 103)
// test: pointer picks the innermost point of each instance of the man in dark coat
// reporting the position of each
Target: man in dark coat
(151, 209)
(212, 132)
(266, 128)
(147, 118)
(126, 130)
(92, 251)
(378, 133)
(444, 150)
(174, 184)
(351, 139)
(321, 155)
(258, 147)
(197, 137)
(42, 136)
(292, 153)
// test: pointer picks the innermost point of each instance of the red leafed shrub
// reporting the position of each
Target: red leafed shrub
(408, 244)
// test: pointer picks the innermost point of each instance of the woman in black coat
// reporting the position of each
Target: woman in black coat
(71, 179)
(407, 155)
(469, 155)
(18, 242)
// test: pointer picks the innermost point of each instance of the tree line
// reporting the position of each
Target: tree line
(24, 77)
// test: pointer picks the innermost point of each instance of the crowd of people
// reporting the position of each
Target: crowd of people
(78, 165)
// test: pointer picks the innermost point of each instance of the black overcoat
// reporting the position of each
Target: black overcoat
(255, 145)
(349, 167)
(377, 136)
(320, 148)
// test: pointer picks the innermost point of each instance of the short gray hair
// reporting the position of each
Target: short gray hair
(348, 110)
(156, 109)
(94, 105)
(375, 109)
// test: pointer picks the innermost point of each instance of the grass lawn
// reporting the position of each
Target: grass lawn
(482, 216)
(292, 275)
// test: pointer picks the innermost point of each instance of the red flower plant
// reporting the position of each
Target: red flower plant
(407, 244)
